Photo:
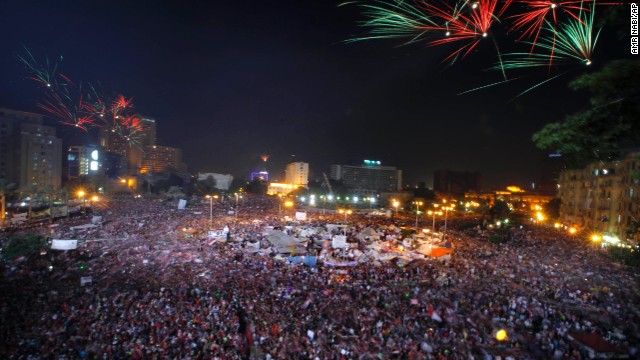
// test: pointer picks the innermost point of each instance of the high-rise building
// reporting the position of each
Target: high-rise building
(603, 197)
(369, 177)
(297, 173)
(31, 152)
(455, 182)
(84, 161)
(131, 154)
(159, 159)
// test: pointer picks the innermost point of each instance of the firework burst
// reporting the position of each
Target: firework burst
(394, 19)
(569, 43)
(81, 107)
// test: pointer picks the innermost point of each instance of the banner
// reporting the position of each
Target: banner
(339, 242)
(64, 244)
(38, 214)
(182, 203)
(96, 220)
(59, 211)
(302, 216)
(85, 280)
(305, 260)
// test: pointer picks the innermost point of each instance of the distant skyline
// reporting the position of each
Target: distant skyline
(229, 82)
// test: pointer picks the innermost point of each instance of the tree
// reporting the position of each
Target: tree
(612, 122)
(552, 208)
(207, 186)
(499, 209)
(175, 192)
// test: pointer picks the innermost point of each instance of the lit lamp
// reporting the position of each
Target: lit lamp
(81, 195)
(418, 203)
(396, 203)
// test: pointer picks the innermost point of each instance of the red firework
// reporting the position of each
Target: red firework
(531, 21)
(469, 23)
(67, 113)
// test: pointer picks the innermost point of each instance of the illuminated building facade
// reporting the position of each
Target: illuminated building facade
(297, 173)
(603, 197)
(159, 159)
(281, 189)
(369, 177)
(84, 161)
(31, 154)
(131, 155)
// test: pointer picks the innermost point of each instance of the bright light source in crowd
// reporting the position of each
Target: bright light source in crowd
(94, 155)
(330, 197)
(372, 200)
(355, 199)
(93, 165)
(595, 237)
(501, 335)
(611, 239)
(303, 199)
(572, 230)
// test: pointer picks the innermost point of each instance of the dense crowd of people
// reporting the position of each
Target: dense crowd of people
(161, 288)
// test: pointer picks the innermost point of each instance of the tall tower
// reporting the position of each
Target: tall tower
(297, 173)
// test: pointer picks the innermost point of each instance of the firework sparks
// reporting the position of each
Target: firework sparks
(395, 19)
(571, 42)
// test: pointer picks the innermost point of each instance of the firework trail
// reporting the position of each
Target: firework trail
(394, 19)
(81, 107)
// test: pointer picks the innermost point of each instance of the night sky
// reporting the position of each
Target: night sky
(230, 81)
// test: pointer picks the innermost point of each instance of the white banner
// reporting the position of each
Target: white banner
(64, 244)
(85, 280)
(182, 203)
(339, 241)
(302, 216)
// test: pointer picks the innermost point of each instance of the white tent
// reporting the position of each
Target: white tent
(284, 243)
(368, 233)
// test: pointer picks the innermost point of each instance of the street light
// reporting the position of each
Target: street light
(236, 209)
(345, 212)
(396, 203)
(434, 213)
(418, 203)
(446, 210)
(81, 195)
(210, 211)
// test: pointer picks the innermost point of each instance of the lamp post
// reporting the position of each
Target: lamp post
(418, 203)
(210, 211)
(235, 212)
(396, 203)
(81, 194)
(446, 210)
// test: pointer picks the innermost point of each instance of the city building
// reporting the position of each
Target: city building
(281, 189)
(455, 183)
(223, 181)
(84, 161)
(157, 159)
(368, 178)
(31, 152)
(603, 197)
(297, 173)
(521, 200)
(130, 154)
